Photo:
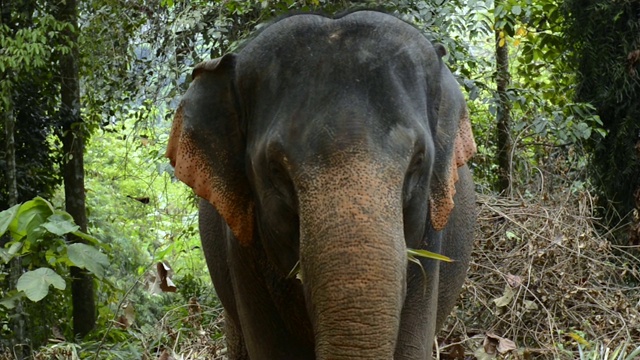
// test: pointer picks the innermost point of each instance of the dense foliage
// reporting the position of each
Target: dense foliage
(28, 88)
(37, 173)
(606, 54)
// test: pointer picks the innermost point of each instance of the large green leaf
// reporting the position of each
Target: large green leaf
(35, 284)
(60, 224)
(88, 257)
(6, 217)
(32, 214)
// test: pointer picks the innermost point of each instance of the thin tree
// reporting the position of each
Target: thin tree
(74, 130)
(18, 321)
(503, 113)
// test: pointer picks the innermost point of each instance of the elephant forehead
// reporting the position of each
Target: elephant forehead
(305, 46)
(354, 169)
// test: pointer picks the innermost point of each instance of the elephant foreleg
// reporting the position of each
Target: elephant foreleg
(418, 325)
(457, 243)
(236, 349)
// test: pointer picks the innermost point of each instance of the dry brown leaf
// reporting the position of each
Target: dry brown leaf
(195, 311)
(57, 334)
(125, 320)
(456, 352)
(514, 280)
(490, 344)
(165, 355)
(164, 273)
(480, 354)
(499, 344)
(506, 345)
(122, 322)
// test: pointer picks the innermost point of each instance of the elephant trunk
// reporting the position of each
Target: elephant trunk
(353, 260)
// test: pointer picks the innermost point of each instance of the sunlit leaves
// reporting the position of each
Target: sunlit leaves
(88, 257)
(60, 224)
(30, 47)
(7, 216)
(37, 231)
(28, 218)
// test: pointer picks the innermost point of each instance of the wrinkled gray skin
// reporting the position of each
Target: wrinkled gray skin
(323, 141)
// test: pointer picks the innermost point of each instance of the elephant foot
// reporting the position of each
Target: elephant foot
(236, 350)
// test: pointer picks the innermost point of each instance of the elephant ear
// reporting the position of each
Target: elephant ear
(454, 145)
(207, 148)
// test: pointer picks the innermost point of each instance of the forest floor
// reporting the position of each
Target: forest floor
(543, 283)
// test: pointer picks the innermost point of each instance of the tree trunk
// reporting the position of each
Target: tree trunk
(84, 310)
(503, 117)
(18, 323)
(634, 227)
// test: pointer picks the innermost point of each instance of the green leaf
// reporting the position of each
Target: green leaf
(511, 235)
(516, 10)
(7, 255)
(94, 241)
(412, 253)
(14, 248)
(35, 284)
(506, 298)
(633, 354)
(4, 256)
(60, 223)
(417, 262)
(10, 301)
(36, 233)
(6, 217)
(295, 272)
(88, 257)
(31, 215)
(162, 253)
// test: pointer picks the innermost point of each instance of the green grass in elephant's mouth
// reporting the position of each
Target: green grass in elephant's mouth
(412, 256)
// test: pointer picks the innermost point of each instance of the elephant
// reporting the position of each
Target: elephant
(330, 145)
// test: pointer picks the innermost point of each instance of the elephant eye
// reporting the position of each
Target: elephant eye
(279, 178)
(417, 162)
(276, 172)
(415, 174)
(274, 169)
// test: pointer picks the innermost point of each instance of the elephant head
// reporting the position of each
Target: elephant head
(335, 144)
